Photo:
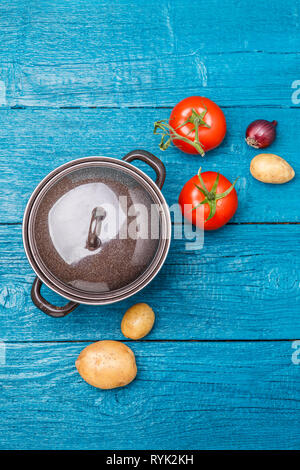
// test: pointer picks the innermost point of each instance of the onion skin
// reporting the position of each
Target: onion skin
(261, 133)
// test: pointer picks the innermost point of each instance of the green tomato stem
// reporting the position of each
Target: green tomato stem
(211, 197)
(168, 133)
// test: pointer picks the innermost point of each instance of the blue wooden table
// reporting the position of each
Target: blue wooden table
(221, 367)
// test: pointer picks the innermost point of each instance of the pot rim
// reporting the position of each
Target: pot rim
(96, 298)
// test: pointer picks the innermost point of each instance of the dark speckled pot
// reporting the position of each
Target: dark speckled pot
(102, 274)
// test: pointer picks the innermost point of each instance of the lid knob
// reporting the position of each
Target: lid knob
(93, 241)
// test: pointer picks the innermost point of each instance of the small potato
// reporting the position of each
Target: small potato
(137, 321)
(270, 168)
(107, 364)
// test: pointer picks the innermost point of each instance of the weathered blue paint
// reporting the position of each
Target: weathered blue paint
(186, 396)
(37, 141)
(133, 61)
(97, 54)
(243, 284)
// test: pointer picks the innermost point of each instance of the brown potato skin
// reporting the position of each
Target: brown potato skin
(138, 321)
(107, 364)
(270, 168)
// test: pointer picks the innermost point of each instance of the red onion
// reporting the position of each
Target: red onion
(261, 133)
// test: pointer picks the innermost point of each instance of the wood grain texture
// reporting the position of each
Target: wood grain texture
(230, 80)
(130, 59)
(34, 142)
(83, 27)
(244, 284)
(212, 395)
(92, 53)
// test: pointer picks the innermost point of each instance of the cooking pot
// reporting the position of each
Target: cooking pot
(96, 231)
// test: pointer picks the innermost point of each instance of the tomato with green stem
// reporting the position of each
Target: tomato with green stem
(208, 200)
(196, 125)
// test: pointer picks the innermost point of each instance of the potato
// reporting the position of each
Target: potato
(107, 364)
(270, 168)
(137, 321)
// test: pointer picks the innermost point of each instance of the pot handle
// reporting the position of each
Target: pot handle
(152, 161)
(46, 307)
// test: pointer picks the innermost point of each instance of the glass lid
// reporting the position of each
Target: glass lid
(96, 227)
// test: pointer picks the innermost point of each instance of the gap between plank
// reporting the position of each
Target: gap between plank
(22, 108)
(284, 340)
(229, 223)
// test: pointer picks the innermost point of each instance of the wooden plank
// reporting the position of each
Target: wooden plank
(34, 142)
(171, 24)
(76, 29)
(244, 284)
(212, 396)
(62, 55)
(250, 79)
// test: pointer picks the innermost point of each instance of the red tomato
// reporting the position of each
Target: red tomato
(211, 126)
(220, 207)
